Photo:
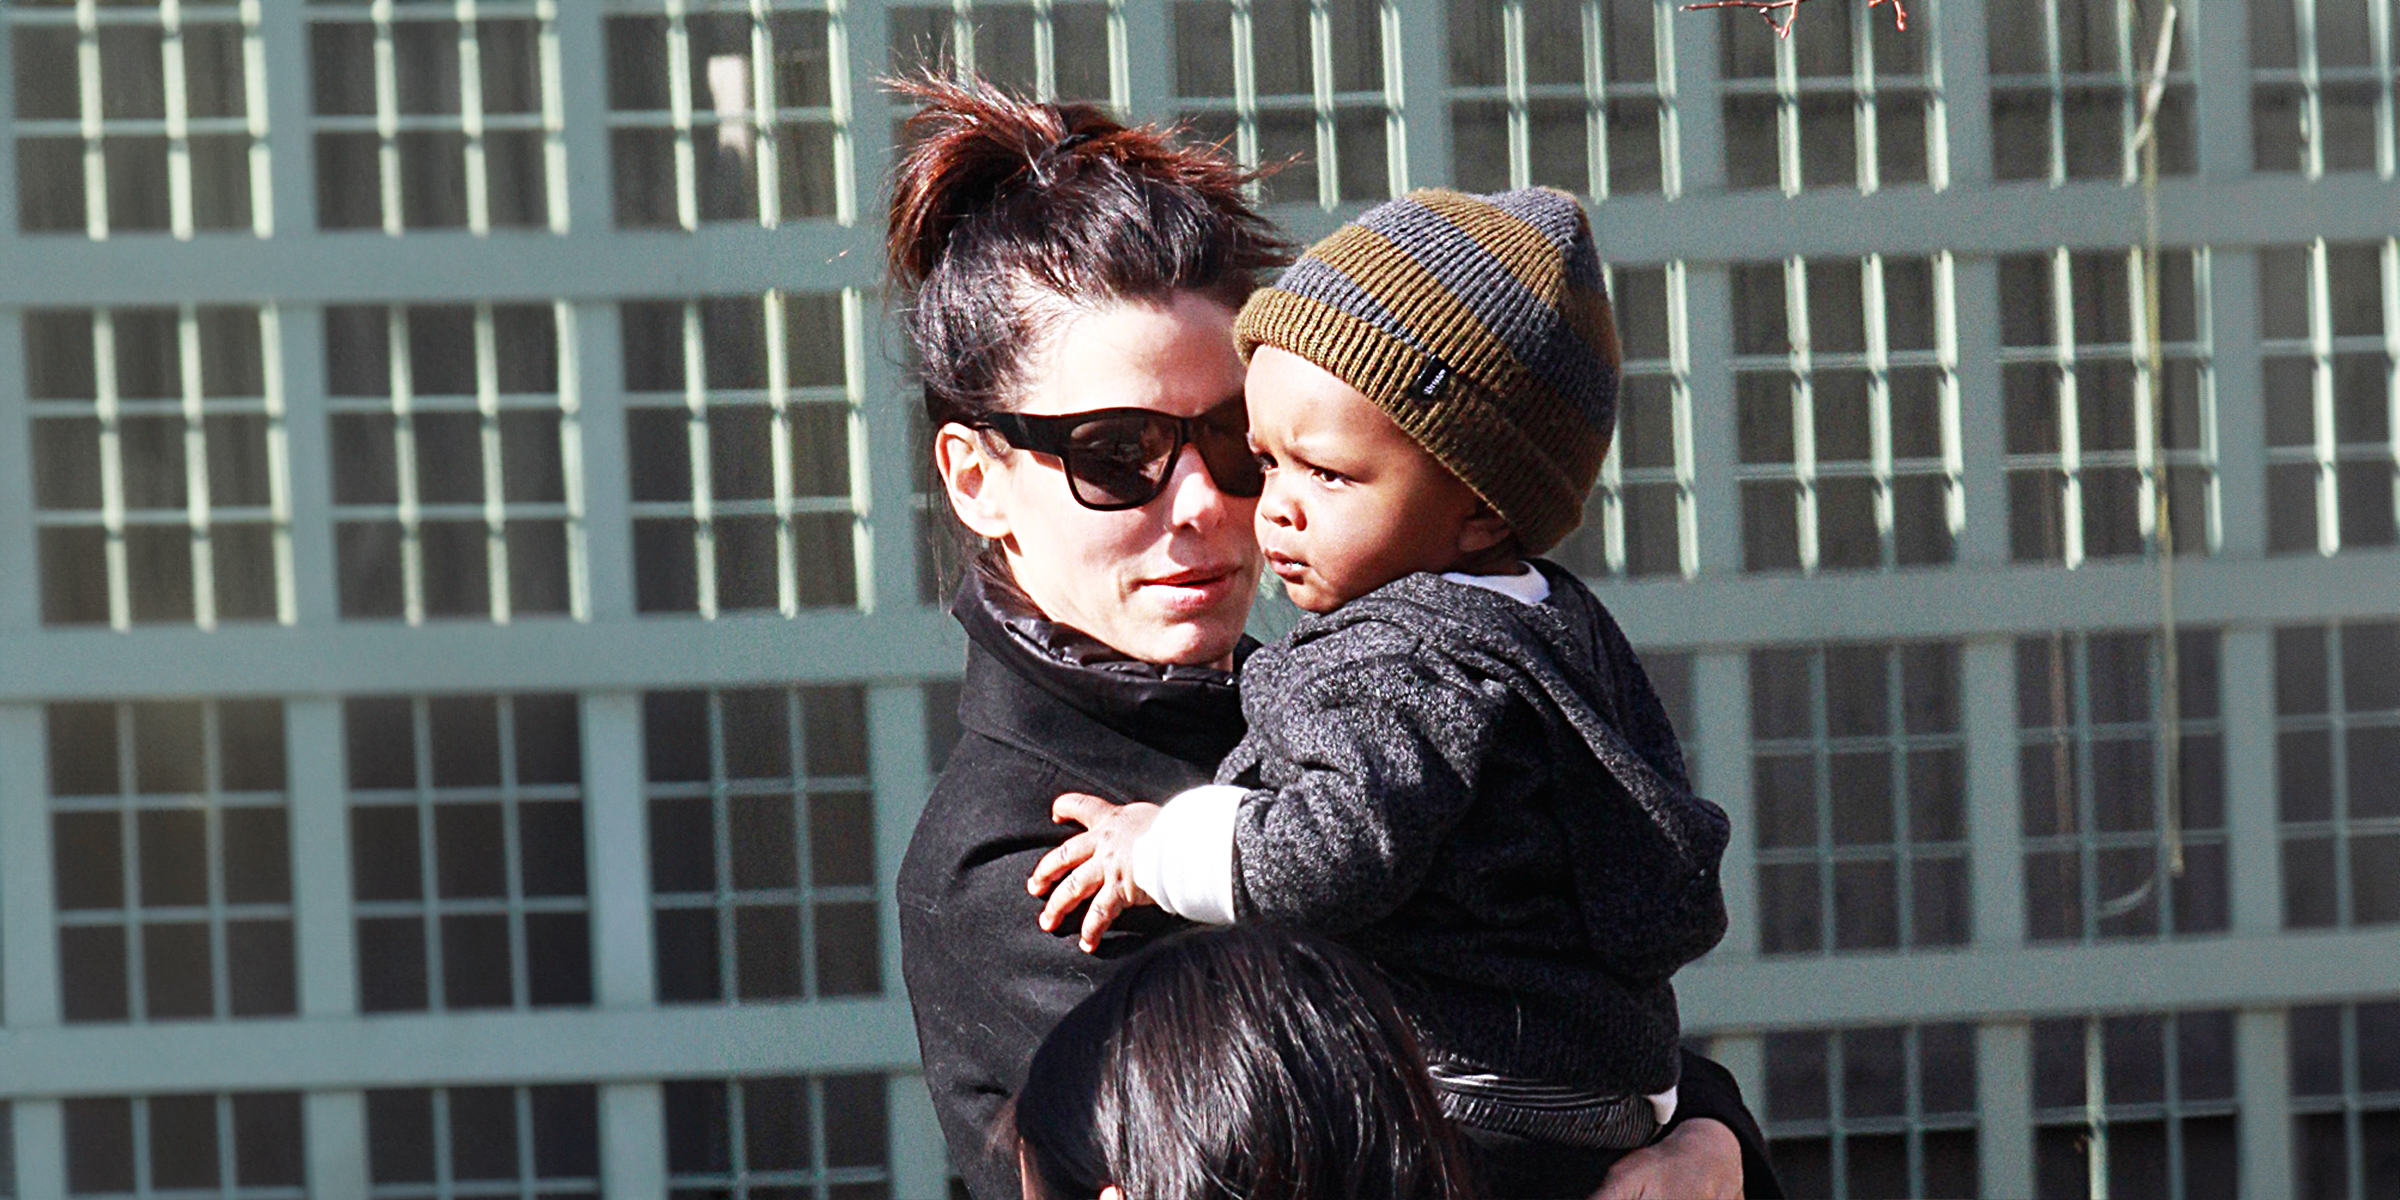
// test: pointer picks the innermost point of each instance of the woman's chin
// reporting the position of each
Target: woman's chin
(1201, 638)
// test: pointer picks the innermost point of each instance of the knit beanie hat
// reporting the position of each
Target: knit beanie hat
(1481, 326)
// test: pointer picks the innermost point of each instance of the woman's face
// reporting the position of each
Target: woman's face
(1169, 582)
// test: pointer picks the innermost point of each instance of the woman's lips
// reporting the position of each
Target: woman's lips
(1196, 589)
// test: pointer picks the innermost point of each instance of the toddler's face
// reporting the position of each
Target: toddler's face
(1351, 501)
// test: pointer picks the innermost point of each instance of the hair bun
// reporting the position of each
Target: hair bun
(970, 146)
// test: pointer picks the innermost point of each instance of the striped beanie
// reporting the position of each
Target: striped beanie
(1481, 326)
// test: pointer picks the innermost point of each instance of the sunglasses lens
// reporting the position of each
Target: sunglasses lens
(1120, 462)
(1226, 452)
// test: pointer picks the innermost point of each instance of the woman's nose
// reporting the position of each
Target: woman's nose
(1192, 493)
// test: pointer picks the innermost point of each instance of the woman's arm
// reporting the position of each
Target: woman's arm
(1713, 1148)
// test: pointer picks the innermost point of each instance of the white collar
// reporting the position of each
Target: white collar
(1528, 586)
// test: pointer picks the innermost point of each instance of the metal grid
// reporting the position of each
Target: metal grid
(1308, 83)
(2330, 345)
(240, 1146)
(1853, 103)
(730, 110)
(438, 116)
(2321, 86)
(2345, 1082)
(762, 845)
(2123, 787)
(1874, 1113)
(141, 119)
(1639, 521)
(1860, 773)
(467, 845)
(1575, 94)
(1846, 395)
(2337, 757)
(160, 475)
(1050, 49)
(2067, 82)
(2102, 412)
(747, 454)
(474, 1143)
(460, 486)
(174, 873)
(2150, 1098)
(822, 1136)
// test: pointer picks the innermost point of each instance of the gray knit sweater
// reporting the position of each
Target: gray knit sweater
(1485, 796)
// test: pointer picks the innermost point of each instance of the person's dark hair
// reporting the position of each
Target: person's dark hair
(1237, 1064)
(1002, 208)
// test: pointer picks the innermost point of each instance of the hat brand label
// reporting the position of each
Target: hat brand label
(1430, 379)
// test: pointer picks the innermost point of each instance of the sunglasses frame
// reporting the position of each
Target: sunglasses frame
(1054, 436)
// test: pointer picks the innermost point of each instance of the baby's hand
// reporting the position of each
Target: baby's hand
(1095, 865)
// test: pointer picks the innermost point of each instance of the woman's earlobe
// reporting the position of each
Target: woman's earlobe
(965, 466)
(1111, 1192)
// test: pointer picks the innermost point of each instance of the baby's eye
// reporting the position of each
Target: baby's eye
(1266, 461)
(1323, 475)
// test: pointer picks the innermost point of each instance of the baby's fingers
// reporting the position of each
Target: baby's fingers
(1065, 857)
(1075, 889)
(1107, 906)
(1081, 808)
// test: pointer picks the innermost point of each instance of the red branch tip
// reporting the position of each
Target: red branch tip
(1791, 11)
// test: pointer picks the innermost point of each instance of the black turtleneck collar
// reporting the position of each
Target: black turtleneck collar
(1190, 713)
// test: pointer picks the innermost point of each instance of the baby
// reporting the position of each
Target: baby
(1455, 763)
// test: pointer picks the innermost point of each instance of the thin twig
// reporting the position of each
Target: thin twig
(1791, 11)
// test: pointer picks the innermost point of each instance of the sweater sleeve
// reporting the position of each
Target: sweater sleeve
(1378, 760)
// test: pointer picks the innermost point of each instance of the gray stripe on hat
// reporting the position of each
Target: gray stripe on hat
(1532, 330)
(1319, 280)
(1555, 216)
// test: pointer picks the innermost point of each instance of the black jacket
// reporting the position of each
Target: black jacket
(1485, 796)
(1045, 710)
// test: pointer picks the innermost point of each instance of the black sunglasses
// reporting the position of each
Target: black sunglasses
(1120, 458)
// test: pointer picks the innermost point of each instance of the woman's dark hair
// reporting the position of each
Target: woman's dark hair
(1237, 1064)
(1003, 207)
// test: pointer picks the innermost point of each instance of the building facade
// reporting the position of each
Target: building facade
(473, 644)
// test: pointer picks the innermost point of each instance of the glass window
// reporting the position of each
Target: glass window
(2147, 1100)
(1846, 398)
(455, 487)
(244, 1146)
(763, 1139)
(2345, 1081)
(172, 860)
(2105, 418)
(2121, 757)
(1059, 50)
(1638, 521)
(2337, 772)
(469, 1143)
(743, 440)
(1852, 101)
(1295, 84)
(2328, 354)
(762, 845)
(1860, 770)
(140, 118)
(729, 114)
(467, 852)
(1574, 94)
(1873, 1114)
(437, 116)
(159, 486)
(2068, 81)
(2319, 102)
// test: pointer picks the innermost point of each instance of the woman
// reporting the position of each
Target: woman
(1071, 286)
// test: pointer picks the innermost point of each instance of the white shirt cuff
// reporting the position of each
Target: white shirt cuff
(1185, 860)
(1663, 1105)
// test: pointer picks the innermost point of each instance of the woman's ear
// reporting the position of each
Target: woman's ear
(969, 474)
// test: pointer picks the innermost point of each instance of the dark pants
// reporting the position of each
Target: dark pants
(1515, 1168)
